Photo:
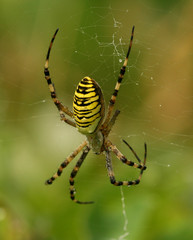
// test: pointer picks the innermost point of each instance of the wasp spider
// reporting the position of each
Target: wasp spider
(89, 118)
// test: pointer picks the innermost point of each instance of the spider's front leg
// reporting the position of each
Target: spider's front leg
(123, 159)
(62, 109)
(106, 130)
(118, 84)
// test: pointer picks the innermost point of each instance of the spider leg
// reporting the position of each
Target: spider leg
(111, 123)
(135, 154)
(62, 109)
(122, 158)
(117, 86)
(66, 162)
(112, 175)
(73, 175)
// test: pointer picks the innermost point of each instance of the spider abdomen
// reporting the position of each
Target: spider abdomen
(88, 106)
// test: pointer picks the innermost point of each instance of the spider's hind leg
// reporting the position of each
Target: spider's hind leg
(112, 175)
(122, 158)
(74, 173)
(135, 154)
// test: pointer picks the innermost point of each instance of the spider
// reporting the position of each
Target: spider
(89, 118)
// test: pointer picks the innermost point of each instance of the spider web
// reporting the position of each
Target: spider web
(155, 98)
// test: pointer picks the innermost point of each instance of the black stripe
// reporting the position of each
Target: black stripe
(85, 104)
(49, 81)
(85, 93)
(64, 164)
(120, 79)
(73, 173)
(123, 159)
(87, 109)
(85, 126)
(83, 112)
(112, 101)
(53, 95)
(71, 182)
(46, 72)
(59, 172)
(87, 117)
(84, 100)
(122, 72)
(137, 181)
(140, 166)
(84, 88)
(86, 83)
(49, 49)
(88, 123)
(115, 92)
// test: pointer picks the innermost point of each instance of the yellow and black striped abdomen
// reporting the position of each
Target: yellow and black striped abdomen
(88, 106)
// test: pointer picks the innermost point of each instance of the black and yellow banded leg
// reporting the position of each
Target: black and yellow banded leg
(58, 104)
(62, 109)
(135, 154)
(122, 158)
(118, 84)
(112, 175)
(73, 175)
(66, 162)
(111, 123)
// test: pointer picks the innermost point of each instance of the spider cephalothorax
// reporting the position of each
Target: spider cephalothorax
(89, 118)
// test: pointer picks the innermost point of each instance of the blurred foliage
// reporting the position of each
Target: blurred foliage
(155, 102)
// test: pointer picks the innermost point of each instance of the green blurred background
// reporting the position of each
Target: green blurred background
(156, 103)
